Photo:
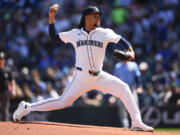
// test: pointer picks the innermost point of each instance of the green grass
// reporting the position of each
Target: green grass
(168, 129)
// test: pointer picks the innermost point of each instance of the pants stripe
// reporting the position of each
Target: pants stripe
(60, 96)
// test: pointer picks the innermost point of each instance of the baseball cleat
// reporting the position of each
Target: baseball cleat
(20, 111)
(142, 127)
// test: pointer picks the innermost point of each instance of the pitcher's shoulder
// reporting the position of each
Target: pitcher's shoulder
(104, 30)
(74, 31)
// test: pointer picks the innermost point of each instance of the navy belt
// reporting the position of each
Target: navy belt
(90, 72)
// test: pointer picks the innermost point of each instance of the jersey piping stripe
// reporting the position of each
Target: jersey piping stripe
(92, 53)
(60, 96)
(88, 52)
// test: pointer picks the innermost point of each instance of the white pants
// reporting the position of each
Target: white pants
(123, 115)
(83, 82)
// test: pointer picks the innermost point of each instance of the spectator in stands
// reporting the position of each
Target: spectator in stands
(175, 97)
(149, 96)
(50, 91)
(163, 98)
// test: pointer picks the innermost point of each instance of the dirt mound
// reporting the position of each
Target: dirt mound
(52, 128)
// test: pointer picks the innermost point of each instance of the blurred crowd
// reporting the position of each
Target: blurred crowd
(43, 68)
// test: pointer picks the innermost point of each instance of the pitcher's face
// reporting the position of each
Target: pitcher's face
(93, 20)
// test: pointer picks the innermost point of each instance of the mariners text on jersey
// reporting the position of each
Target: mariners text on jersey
(89, 42)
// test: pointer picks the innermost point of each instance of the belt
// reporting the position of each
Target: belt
(90, 72)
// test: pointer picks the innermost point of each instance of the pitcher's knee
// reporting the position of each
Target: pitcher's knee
(122, 90)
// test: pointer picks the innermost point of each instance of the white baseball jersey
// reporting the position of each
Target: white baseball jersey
(90, 48)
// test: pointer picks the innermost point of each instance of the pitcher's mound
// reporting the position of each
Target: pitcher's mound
(52, 128)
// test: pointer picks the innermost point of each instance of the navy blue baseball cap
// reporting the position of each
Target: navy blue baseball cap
(91, 10)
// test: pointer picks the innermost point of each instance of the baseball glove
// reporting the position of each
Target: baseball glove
(122, 55)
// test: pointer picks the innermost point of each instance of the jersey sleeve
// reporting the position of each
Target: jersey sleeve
(137, 75)
(137, 71)
(111, 36)
(116, 68)
(115, 72)
(67, 37)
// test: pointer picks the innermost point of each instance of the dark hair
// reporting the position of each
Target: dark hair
(82, 23)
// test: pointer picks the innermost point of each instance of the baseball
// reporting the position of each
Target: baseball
(55, 7)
